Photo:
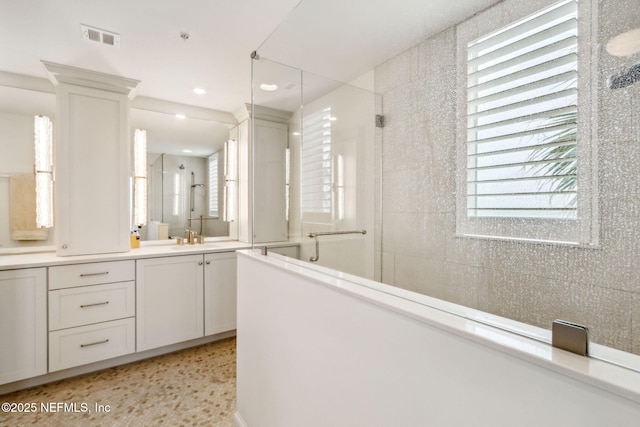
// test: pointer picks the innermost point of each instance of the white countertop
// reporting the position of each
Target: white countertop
(49, 258)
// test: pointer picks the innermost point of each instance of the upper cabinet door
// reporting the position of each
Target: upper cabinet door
(92, 160)
(92, 171)
(269, 182)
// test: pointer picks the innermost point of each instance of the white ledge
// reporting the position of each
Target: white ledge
(480, 327)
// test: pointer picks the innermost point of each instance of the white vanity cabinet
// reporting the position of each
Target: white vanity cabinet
(219, 292)
(91, 312)
(23, 324)
(169, 300)
(184, 297)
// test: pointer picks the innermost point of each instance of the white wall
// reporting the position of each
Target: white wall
(316, 351)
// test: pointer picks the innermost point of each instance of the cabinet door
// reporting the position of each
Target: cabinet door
(92, 171)
(269, 182)
(169, 300)
(23, 324)
(219, 293)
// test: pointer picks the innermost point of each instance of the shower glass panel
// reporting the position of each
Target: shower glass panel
(178, 193)
(314, 181)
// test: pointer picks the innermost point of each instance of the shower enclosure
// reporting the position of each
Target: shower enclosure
(316, 179)
(179, 195)
(453, 208)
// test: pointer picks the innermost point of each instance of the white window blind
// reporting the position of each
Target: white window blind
(213, 184)
(522, 97)
(315, 193)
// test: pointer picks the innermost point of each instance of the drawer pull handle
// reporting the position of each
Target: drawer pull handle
(94, 274)
(94, 343)
(94, 304)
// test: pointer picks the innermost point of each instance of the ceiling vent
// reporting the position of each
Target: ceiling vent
(101, 36)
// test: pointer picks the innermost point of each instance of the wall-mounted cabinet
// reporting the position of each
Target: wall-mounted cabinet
(262, 142)
(270, 145)
(92, 163)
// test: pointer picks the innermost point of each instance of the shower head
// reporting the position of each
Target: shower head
(197, 185)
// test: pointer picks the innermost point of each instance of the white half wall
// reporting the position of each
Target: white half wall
(315, 350)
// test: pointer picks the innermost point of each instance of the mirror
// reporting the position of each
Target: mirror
(181, 192)
(167, 135)
(18, 155)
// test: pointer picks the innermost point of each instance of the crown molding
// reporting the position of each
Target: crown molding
(59, 74)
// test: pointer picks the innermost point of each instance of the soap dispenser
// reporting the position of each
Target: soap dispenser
(135, 239)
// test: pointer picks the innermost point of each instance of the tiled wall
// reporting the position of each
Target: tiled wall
(534, 283)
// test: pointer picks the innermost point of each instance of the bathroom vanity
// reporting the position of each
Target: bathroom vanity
(64, 316)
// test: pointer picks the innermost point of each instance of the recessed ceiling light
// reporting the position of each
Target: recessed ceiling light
(268, 87)
(187, 151)
(180, 116)
(199, 91)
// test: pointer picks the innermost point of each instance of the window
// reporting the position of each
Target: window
(315, 194)
(524, 151)
(213, 184)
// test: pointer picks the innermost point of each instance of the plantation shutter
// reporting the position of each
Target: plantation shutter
(522, 95)
(315, 193)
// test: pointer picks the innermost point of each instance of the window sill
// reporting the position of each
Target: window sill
(532, 241)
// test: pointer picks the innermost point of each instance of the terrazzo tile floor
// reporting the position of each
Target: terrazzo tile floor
(192, 387)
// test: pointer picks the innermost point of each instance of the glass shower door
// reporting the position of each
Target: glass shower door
(329, 175)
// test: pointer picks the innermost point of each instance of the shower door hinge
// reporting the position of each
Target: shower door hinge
(379, 121)
(570, 336)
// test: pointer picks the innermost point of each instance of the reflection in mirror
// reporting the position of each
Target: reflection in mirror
(17, 162)
(185, 188)
(22, 98)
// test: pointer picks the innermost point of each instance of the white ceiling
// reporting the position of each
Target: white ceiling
(216, 57)
(340, 39)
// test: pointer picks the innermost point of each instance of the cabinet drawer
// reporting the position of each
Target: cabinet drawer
(91, 304)
(69, 276)
(87, 344)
